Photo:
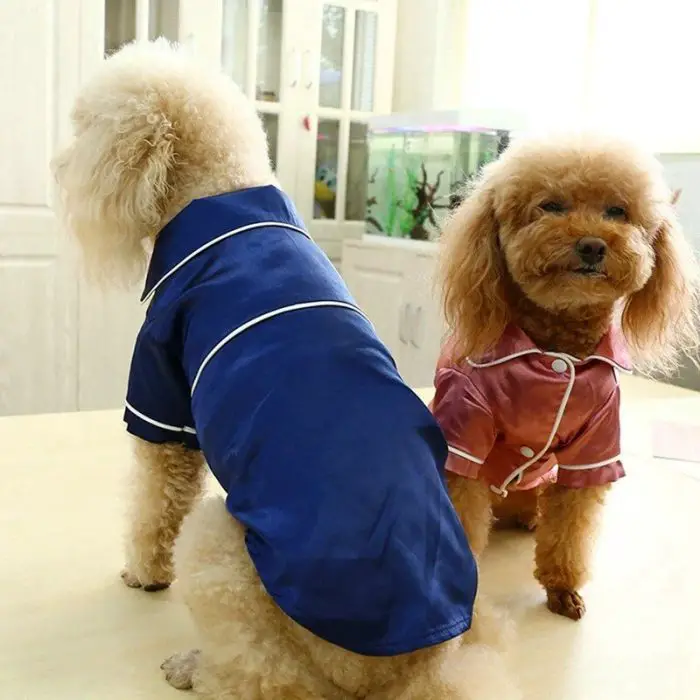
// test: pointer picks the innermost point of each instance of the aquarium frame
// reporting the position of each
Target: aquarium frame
(463, 121)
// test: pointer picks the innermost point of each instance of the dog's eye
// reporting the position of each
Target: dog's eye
(553, 207)
(615, 213)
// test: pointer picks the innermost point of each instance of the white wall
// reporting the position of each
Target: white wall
(415, 56)
(429, 54)
(492, 55)
(526, 56)
(620, 65)
(644, 63)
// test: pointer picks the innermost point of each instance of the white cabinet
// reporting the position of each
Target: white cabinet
(392, 281)
(424, 328)
(109, 320)
(316, 70)
(376, 276)
(63, 345)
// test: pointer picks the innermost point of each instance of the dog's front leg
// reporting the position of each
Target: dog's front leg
(472, 501)
(168, 480)
(565, 537)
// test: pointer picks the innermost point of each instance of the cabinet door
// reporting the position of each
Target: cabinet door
(109, 320)
(424, 324)
(260, 50)
(126, 20)
(40, 56)
(376, 278)
(347, 69)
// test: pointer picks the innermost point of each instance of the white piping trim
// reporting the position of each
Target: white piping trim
(158, 424)
(595, 465)
(501, 360)
(561, 355)
(218, 239)
(517, 473)
(570, 360)
(265, 317)
(612, 363)
(464, 455)
(573, 358)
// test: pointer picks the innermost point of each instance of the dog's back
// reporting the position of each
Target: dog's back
(254, 351)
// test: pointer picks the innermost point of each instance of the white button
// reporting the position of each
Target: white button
(527, 452)
(560, 366)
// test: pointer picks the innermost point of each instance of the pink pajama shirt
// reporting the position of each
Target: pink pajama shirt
(520, 417)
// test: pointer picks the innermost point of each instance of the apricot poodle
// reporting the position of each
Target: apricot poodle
(336, 565)
(565, 266)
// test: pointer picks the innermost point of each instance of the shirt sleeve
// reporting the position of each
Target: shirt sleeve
(592, 458)
(158, 397)
(465, 420)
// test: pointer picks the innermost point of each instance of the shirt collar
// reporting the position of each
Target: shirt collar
(203, 221)
(515, 342)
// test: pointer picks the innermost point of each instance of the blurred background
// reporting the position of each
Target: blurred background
(377, 112)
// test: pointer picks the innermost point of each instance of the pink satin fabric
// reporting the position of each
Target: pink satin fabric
(520, 417)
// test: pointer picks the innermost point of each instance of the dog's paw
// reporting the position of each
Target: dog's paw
(179, 669)
(567, 603)
(133, 581)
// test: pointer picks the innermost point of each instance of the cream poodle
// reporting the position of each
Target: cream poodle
(565, 266)
(336, 566)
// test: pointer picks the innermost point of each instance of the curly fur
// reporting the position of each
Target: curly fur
(251, 650)
(507, 259)
(168, 481)
(504, 259)
(152, 132)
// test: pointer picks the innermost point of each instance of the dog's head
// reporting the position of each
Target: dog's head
(152, 130)
(574, 225)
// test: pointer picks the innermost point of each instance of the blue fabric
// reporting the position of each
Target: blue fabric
(330, 461)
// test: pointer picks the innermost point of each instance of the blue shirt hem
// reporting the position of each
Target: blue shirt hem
(436, 636)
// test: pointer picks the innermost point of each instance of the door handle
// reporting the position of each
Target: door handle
(295, 62)
(415, 326)
(403, 315)
(308, 77)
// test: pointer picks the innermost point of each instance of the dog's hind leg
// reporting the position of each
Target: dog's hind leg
(168, 480)
(565, 537)
(470, 672)
(248, 648)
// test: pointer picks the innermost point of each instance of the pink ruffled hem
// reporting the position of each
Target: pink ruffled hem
(583, 478)
(570, 478)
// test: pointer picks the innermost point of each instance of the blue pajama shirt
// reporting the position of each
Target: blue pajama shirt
(253, 351)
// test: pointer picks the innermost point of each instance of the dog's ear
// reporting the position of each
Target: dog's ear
(472, 275)
(114, 181)
(661, 320)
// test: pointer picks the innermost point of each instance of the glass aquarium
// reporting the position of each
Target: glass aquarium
(419, 167)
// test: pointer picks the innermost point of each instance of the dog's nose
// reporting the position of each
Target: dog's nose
(591, 250)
